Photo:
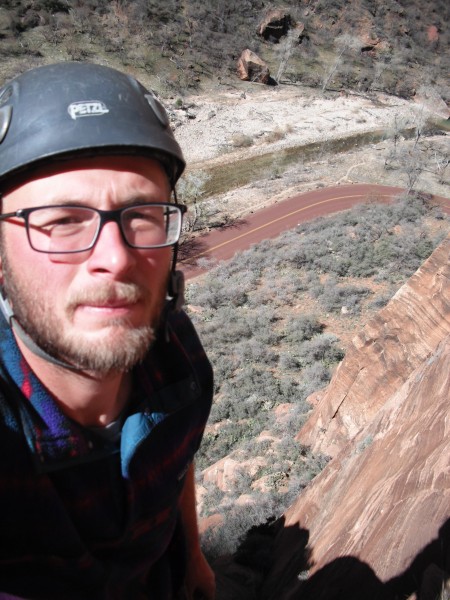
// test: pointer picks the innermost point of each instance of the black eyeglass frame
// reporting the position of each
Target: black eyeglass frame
(106, 216)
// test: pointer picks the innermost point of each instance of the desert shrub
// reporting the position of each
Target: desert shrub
(322, 347)
(228, 327)
(248, 408)
(213, 294)
(268, 336)
(224, 367)
(358, 243)
(292, 421)
(253, 380)
(333, 297)
(254, 351)
(403, 253)
(290, 449)
(278, 290)
(220, 443)
(241, 140)
(252, 448)
(288, 361)
(241, 483)
(277, 134)
(318, 374)
(51, 6)
(289, 386)
(302, 327)
(212, 499)
(238, 519)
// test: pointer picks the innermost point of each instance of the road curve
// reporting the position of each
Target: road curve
(223, 243)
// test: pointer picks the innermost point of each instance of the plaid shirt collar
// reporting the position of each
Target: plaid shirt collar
(56, 441)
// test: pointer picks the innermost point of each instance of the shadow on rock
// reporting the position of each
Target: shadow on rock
(243, 576)
(273, 563)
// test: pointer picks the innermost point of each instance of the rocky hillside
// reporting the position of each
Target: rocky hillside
(180, 45)
(375, 523)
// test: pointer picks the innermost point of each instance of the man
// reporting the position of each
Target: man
(104, 386)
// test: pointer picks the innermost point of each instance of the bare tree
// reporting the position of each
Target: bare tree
(380, 66)
(409, 161)
(345, 42)
(285, 50)
(441, 162)
(190, 190)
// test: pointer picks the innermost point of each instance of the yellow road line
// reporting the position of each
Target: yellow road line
(279, 219)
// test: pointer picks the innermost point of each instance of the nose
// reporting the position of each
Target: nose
(110, 253)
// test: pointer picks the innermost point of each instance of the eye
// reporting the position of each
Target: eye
(60, 219)
(144, 216)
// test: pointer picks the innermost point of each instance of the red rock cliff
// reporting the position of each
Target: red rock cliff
(383, 356)
(376, 523)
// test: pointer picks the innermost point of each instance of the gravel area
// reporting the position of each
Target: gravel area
(210, 124)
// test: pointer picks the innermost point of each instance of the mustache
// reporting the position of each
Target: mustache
(107, 294)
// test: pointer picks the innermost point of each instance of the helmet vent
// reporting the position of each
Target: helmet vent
(5, 95)
(158, 109)
(5, 120)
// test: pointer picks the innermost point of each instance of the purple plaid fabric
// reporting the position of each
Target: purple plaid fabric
(82, 517)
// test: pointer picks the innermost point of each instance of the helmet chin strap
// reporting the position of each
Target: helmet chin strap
(8, 313)
(175, 294)
(176, 285)
(175, 301)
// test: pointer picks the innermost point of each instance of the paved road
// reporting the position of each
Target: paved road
(222, 244)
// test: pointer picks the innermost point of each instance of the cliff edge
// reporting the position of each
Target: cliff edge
(376, 522)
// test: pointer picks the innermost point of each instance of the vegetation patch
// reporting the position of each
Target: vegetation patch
(275, 322)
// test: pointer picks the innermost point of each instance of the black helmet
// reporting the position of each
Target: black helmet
(67, 109)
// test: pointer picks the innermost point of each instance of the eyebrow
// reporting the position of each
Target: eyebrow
(132, 201)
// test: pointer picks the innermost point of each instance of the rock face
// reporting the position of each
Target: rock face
(224, 473)
(252, 68)
(383, 356)
(275, 25)
(375, 524)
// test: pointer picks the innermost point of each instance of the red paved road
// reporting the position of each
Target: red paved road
(222, 244)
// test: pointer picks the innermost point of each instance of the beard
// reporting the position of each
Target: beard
(117, 345)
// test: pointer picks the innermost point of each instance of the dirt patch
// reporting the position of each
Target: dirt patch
(211, 130)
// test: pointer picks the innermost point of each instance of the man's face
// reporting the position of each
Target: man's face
(96, 309)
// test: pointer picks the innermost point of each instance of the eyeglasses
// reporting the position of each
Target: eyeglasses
(70, 229)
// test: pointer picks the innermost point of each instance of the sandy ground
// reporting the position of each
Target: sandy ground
(211, 128)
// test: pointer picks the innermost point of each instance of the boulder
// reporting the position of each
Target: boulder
(275, 25)
(251, 67)
(226, 472)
